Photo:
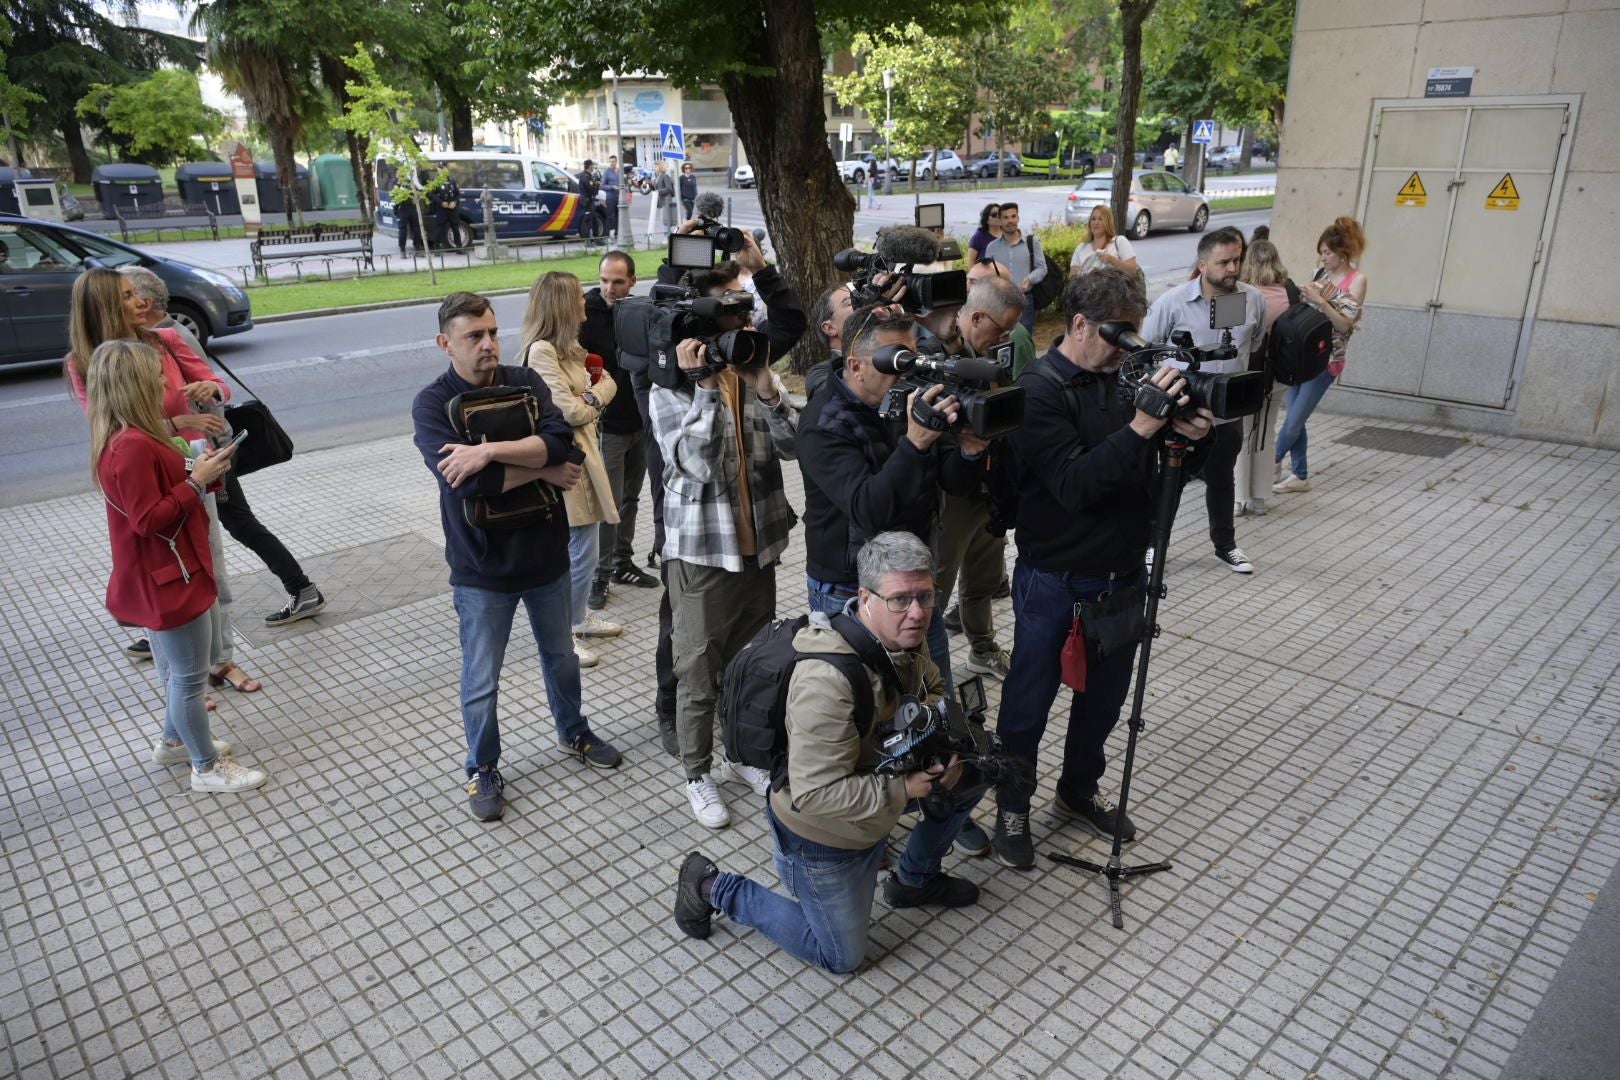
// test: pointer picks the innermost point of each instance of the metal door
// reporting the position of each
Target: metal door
(1451, 259)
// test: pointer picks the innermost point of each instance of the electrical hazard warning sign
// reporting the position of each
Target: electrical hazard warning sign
(1504, 196)
(1412, 193)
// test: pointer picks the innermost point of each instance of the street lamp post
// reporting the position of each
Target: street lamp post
(888, 129)
(622, 226)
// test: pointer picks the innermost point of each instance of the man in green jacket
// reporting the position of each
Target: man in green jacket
(832, 817)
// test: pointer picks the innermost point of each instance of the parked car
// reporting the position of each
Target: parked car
(855, 170)
(743, 175)
(947, 162)
(984, 165)
(42, 261)
(1223, 157)
(1159, 200)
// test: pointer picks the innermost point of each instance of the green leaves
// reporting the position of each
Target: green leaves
(934, 85)
(160, 119)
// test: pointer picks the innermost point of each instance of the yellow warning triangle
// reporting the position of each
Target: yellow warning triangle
(1505, 189)
(1414, 186)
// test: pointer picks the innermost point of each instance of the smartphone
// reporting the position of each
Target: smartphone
(237, 440)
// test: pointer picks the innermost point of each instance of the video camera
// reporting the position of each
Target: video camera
(653, 328)
(985, 409)
(1227, 395)
(899, 248)
(919, 737)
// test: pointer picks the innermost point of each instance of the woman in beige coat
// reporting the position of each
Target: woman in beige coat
(551, 346)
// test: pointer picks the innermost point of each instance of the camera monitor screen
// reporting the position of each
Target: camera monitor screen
(971, 693)
(691, 252)
(1227, 311)
(931, 215)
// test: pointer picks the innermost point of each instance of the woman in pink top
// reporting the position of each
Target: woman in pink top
(105, 307)
(1262, 268)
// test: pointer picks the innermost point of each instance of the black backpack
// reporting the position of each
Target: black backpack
(1300, 343)
(754, 690)
(1050, 287)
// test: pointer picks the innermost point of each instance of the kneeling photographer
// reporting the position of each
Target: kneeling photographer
(861, 686)
(1086, 464)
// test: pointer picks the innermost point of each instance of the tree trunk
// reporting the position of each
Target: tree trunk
(1132, 14)
(461, 124)
(780, 120)
(286, 173)
(1246, 148)
(78, 157)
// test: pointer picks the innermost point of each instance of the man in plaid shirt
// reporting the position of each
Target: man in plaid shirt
(723, 436)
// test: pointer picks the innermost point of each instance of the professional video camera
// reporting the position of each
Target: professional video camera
(985, 409)
(1226, 394)
(919, 737)
(707, 209)
(652, 328)
(899, 248)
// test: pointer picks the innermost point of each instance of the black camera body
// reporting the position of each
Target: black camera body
(1228, 394)
(984, 408)
(919, 737)
(725, 238)
(653, 328)
(924, 292)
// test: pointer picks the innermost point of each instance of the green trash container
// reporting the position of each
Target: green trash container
(334, 183)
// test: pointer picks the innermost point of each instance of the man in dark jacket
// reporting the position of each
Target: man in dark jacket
(493, 570)
(444, 204)
(1086, 468)
(589, 222)
(688, 189)
(624, 439)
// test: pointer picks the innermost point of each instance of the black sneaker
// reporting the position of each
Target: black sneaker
(693, 914)
(1003, 591)
(597, 600)
(667, 736)
(594, 752)
(140, 649)
(484, 799)
(941, 890)
(1012, 845)
(635, 576)
(307, 603)
(1235, 560)
(1096, 814)
(953, 620)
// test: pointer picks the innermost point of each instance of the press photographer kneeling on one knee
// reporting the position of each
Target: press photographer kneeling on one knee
(1086, 466)
(832, 807)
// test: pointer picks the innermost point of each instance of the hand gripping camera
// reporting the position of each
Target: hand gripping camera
(985, 409)
(919, 737)
(1226, 394)
(899, 248)
(653, 329)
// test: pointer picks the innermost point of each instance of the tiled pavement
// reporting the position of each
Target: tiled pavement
(1385, 768)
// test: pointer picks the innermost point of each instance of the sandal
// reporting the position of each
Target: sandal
(209, 703)
(238, 679)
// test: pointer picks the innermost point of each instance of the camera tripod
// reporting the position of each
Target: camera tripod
(1175, 452)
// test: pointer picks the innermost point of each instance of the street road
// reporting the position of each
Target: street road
(350, 378)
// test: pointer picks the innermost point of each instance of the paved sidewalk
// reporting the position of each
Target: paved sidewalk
(1385, 768)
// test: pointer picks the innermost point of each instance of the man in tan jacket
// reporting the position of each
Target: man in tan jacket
(832, 817)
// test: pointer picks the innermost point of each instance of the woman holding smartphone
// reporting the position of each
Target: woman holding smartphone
(163, 571)
(1337, 291)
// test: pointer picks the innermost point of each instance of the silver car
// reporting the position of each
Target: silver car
(1159, 200)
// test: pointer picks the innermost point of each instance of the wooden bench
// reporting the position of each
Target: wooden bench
(318, 239)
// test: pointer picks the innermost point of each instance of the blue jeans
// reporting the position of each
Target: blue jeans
(827, 916)
(1043, 611)
(486, 626)
(831, 597)
(1300, 402)
(1028, 317)
(582, 548)
(183, 655)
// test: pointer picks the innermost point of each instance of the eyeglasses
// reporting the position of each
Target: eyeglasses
(1004, 331)
(901, 602)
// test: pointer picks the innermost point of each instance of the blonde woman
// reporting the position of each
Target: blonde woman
(1105, 247)
(162, 568)
(551, 326)
(1262, 268)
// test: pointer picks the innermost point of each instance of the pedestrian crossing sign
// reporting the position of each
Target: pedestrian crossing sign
(1203, 131)
(1504, 196)
(1412, 192)
(673, 142)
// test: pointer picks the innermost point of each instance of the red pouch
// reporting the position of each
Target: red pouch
(1074, 658)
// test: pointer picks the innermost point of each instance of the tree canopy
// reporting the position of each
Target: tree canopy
(160, 119)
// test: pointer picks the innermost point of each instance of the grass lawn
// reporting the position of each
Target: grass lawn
(344, 292)
(1241, 202)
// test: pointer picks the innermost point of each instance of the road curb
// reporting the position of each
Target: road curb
(381, 305)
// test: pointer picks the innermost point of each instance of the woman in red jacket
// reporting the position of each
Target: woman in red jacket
(163, 572)
(105, 307)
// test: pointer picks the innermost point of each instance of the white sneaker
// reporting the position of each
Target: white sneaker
(226, 777)
(586, 657)
(707, 805)
(1289, 483)
(594, 625)
(166, 753)
(758, 779)
(1277, 472)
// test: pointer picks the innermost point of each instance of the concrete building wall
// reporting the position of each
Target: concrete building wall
(1347, 54)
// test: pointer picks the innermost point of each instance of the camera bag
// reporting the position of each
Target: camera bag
(1300, 343)
(502, 414)
(1049, 288)
(754, 689)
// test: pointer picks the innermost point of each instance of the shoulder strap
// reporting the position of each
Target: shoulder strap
(866, 647)
(1292, 290)
(854, 669)
(1029, 243)
(211, 358)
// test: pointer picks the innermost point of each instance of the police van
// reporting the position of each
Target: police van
(533, 197)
